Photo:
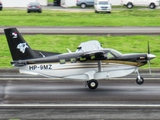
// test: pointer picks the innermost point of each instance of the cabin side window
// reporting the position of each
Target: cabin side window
(110, 56)
(93, 57)
(73, 60)
(82, 59)
(62, 61)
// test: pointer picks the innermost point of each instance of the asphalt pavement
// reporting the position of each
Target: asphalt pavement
(87, 30)
(70, 100)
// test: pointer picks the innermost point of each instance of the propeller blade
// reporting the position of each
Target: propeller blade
(149, 65)
(149, 57)
(148, 48)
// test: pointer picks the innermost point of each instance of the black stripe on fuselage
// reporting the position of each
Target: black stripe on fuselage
(138, 59)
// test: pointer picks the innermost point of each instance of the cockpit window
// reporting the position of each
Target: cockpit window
(112, 54)
(115, 53)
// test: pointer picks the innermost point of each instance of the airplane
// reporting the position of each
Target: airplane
(89, 63)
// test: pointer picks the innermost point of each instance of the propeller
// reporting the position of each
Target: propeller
(149, 63)
(149, 57)
(148, 48)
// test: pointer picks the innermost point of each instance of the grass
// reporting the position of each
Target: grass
(50, 1)
(59, 43)
(134, 17)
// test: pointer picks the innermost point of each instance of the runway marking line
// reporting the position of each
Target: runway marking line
(22, 79)
(80, 106)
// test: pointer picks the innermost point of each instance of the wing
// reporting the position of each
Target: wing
(94, 55)
(89, 46)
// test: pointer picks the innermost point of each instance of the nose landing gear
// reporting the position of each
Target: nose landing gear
(139, 79)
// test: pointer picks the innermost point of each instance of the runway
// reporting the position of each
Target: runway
(64, 100)
(33, 97)
(72, 92)
(16, 88)
(88, 30)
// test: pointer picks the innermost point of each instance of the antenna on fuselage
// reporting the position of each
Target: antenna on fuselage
(69, 50)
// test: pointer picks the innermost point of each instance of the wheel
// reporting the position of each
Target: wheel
(96, 11)
(83, 5)
(92, 84)
(140, 81)
(152, 6)
(109, 12)
(28, 11)
(129, 5)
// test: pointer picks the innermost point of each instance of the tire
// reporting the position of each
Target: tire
(152, 6)
(28, 11)
(129, 5)
(140, 81)
(96, 11)
(83, 5)
(92, 84)
(109, 12)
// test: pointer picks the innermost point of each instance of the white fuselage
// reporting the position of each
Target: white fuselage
(80, 71)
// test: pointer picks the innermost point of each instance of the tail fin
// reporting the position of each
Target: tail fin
(19, 48)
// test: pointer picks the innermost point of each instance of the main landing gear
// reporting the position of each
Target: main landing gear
(92, 84)
(139, 79)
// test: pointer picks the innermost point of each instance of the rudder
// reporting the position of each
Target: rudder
(19, 48)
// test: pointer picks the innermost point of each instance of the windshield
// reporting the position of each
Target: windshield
(103, 3)
(111, 54)
(116, 53)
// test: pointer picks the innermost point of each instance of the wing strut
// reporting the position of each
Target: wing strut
(99, 66)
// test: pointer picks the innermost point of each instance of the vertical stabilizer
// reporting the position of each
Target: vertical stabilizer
(19, 48)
